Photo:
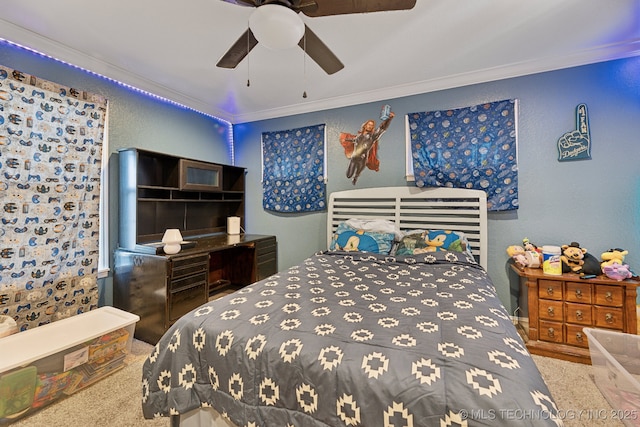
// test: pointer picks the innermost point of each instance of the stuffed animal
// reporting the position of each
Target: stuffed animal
(517, 254)
(528, 246)
(617, 271)
(577, 260)
(523, 258)
(572, 258)
(613, 256)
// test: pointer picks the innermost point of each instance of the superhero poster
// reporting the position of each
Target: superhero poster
(362, 148)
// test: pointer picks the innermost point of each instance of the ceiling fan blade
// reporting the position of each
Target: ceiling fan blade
(319, 52)
(238, 51)
(305, 6)
(250, 3)
(342, 7)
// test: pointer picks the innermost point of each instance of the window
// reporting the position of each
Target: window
(103, 258)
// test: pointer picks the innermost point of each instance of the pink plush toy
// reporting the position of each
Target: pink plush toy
(617, 271)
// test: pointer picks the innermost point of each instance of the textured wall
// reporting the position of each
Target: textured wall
(594, 202)
(136, 120)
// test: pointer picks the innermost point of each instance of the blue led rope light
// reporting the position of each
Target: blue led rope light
(230, 143)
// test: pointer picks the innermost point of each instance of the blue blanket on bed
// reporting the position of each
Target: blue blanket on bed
(353, 339)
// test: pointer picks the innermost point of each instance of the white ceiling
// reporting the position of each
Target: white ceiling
(170, 48)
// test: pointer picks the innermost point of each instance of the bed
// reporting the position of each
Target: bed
(357, 338)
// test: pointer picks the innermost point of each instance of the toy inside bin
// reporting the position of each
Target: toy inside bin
(41, 365)
(615, 357)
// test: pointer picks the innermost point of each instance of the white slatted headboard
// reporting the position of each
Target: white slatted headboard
(411, 208)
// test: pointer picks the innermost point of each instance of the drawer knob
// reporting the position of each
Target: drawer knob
(579, 314)
(608, 318)
(578, 293)
(551, 332)
(608, 296)
(550, 311)
(579, 337)
(549, 290)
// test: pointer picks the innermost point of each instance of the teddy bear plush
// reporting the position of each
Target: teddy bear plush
(577, 260)
(613, 256)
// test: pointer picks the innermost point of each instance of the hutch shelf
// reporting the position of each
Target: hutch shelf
(157, 192)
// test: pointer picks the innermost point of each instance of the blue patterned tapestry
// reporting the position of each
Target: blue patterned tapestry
(293, 165)
(472, 147)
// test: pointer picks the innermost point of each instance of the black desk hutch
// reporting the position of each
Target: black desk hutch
(157, 192)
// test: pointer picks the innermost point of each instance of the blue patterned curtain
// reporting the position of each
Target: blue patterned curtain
(473, 147)
(51, 140)
(293, 165)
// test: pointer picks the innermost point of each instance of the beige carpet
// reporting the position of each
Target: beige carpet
(575, 393)
(115, 401)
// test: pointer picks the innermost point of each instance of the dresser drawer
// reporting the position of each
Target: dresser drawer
(550, 310)
(551, 331)
(608, 317)
(578, 313)
(550, 289)
(575, 336)
(609, 295)
(578, 292)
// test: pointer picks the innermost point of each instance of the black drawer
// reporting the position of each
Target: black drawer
(187, 266)
(266, 269)
(186, 299)
(185, 282)
(267, 245)
(266, 258)
(266, 249)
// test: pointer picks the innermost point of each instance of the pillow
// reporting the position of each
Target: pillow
(379, 225)
(347, 238)
(421, 241)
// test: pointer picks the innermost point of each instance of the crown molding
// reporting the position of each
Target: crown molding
(58, 51)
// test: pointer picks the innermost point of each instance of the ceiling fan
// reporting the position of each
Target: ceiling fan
(309, 41)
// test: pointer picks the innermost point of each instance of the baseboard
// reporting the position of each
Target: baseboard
(523, 321)
(522, 326)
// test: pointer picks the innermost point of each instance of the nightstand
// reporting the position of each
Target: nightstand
(560, 306)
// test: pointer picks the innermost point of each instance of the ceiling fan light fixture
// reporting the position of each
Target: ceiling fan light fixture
(276, 26)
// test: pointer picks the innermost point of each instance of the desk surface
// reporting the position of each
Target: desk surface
(209, 243)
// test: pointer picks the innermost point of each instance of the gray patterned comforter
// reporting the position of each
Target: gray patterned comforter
(353, 339)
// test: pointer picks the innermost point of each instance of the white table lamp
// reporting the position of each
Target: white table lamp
(172, 239)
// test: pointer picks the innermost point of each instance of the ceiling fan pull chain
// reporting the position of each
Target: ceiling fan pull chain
(248, 49)
(304, 65)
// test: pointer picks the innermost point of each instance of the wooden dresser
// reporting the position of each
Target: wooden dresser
(560, 306)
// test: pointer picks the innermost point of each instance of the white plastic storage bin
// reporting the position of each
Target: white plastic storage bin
(41, 365)
(615, 357)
